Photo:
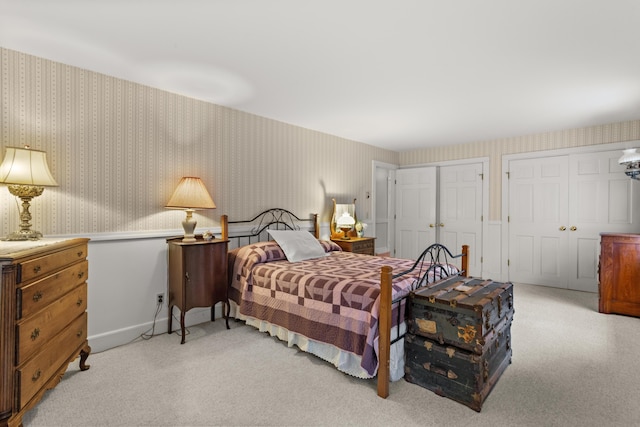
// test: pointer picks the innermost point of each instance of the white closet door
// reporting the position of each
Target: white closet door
(600, 200)
(415, 211)
(460, 220)
(558, 206)
(538, 214)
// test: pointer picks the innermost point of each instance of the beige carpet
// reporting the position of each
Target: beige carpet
(571, 367)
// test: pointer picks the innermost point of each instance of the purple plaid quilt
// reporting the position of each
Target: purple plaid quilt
(332, 299)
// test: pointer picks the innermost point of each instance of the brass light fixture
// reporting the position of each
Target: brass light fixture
(190, 195)
(26, 173)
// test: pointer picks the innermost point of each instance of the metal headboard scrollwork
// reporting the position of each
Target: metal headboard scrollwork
(435, 261)
(255, 229)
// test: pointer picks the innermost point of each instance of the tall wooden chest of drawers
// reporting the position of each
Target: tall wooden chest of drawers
(619, 274)
(43, 303)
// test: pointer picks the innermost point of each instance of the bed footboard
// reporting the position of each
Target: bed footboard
(437, 255)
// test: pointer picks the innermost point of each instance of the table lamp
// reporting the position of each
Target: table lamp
(190, 195)
(345, 223)
(26, 173)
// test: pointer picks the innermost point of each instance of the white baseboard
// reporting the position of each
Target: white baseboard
(116, 338)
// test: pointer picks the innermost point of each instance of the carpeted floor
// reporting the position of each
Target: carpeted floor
(571, 366)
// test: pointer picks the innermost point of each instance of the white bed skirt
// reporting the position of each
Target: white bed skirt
(346, 362)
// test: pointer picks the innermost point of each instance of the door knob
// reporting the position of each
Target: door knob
(441, 224)
(563, 228)
(573, 228)
(431, 225)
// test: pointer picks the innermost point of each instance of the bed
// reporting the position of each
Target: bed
(345, 308)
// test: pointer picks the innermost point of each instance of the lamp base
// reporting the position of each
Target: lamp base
(24, 235)
(25, 193)
(189, 225)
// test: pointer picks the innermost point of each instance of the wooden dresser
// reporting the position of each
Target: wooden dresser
(43, 302)
(357, 245)
(619, 274)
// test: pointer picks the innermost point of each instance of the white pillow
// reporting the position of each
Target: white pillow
(298, 245)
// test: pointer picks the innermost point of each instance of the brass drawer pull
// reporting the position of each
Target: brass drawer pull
(35, 376)
(35, 334)
(80, 253)
(81, 275)
(79, 334)
(37, 296)
(37, 269)
(79, 302)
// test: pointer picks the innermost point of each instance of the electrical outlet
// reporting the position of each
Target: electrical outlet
(160, 298)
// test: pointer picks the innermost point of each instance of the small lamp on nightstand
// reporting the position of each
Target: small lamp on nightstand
(26, 173)
(190, 195)
(345, 223)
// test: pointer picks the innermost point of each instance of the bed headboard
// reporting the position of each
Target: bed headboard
(244, 232)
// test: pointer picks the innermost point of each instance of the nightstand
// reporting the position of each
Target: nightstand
(197, 277)
(358, 245)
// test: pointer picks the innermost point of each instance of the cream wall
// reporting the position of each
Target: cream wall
(495, 149)
(118, 149)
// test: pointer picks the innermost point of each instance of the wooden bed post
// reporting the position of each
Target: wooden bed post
(465, 260)
(224, 226)
(384, 327)
(316, 226)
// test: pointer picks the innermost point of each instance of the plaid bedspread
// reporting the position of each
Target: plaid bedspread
(333, 299)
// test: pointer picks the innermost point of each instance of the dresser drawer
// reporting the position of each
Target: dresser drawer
(35, 331)
(363, 247)
(38, 371)
(42, 266)
(38, 295)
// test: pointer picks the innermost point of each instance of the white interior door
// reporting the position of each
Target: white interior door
(415, 211)
(538, 215)
(460, 211)
(600, 200)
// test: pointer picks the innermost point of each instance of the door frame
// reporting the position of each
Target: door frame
(391, 196)
(504, 253)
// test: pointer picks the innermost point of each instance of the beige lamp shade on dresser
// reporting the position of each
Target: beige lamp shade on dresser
(190, 195)
(26, 173)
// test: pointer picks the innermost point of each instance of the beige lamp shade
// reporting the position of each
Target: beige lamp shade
(26, 173)
(24, 166)
(190, 194)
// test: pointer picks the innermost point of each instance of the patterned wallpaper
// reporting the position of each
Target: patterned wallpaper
(118, 149)
(495, 149)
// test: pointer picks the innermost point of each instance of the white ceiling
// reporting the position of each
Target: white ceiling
(397, 74)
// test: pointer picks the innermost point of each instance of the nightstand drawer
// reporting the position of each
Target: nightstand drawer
(39, 267)
(358, 245)
(38, 295)
(34, 332)
(363, 247)
(39, 370)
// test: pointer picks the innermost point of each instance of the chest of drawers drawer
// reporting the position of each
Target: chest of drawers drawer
(35, 331)
(39, 294)
(34, 374)
(41, 266)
